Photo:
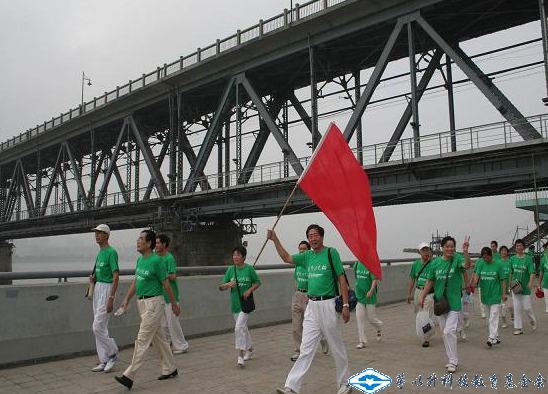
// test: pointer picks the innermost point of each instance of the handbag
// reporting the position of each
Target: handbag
(441, 307)
(352, 298)
(516, 286)
(247, 304)
(91, 287)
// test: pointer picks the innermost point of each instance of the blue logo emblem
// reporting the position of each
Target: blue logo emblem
(370, 381)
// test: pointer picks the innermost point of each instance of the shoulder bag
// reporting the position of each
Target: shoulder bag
(352, 299)
(516, 286)
(420, 272)
(441, 307)
(91, 286)
(247, 304)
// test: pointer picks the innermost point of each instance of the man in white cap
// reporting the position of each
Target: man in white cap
(105, 275)
(417, 279)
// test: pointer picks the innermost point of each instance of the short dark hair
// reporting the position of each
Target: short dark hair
(486, 251)
(545, 245)
(447, 239)
(150, 236)
(315, 227)
(496, 243)
(241, 250)
(531, 246)
(504, 247)
(164, 239)
(305, 243)
(519, 241)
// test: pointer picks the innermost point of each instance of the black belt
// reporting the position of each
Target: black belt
(302, 290)
(145, 297)
(320, 298)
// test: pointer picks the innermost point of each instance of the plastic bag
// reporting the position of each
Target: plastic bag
(425, 326)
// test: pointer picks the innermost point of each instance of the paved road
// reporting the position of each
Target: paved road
(210, 364)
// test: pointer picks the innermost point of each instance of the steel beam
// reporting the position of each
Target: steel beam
(210, 137)
(51, 182)
(123, 190)
(113, 156)
(301, 111)
(173, 133)
(373, 81)
(313, 96)
(359, 139)
(65, 187)
(414, 102)
(451, 102)
(257, 101)
(12, 191)
(161, 157)
(38, 191)
(77, 174)
(404, 120)
(260, 141)
(154, 170)
(544, 33)
(26, 189)
(483, 83)
(227, 153)
(186, 147)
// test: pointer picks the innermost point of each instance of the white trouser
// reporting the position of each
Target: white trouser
(428, 302)
(106, 346)
(522, 302)
(507, 308)
(319, 318)
(545, 298)
(174, 331)
(371, 311)
(492, 313)
(243, 337)
(482, 306)
(448, 325)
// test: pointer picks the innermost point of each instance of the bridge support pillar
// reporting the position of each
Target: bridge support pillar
(210, 245)
(6, 250)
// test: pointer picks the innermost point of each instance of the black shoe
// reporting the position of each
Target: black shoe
(489, 343)
(425, 344)
(125, 381)
(169, 376)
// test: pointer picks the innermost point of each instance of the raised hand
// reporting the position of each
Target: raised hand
(466, 244)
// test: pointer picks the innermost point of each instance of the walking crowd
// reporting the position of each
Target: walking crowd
(439, 288)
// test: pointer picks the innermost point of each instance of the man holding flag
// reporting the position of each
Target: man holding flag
(320, 317)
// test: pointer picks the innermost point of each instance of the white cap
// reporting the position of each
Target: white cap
(102, 227)
(424, 245)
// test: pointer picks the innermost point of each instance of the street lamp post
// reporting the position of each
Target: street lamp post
(84, 79)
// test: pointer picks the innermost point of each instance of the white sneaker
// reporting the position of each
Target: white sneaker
(466, 322)
(451, 368)
(248, 355)
(504, 325)
(518, 332)
(99, 368)
(325, 347)
(360, 345)
(241, 361)
(111, 363)
(179, 351)
(534, 325)
(344, 389)
(285, 390)
(379, 336)
(295, 356)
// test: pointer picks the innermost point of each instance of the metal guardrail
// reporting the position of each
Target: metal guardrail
(431, 145)
(181, 271)
(523, 195)
(255, 32)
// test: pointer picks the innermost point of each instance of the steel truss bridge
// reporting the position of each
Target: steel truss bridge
(143, 153)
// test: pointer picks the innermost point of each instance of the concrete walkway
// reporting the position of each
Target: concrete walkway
(210, 364)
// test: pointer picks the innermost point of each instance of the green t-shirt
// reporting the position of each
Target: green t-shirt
(149, 274)
(521, 269)
(416, 269)
(490, 281)
(320, 276)
(544, 268)
(169, 262)
(505, 268)
(496, 256)
(438, 272)
(246, 278)
(364, 281)
(301, 277)
(106, 263)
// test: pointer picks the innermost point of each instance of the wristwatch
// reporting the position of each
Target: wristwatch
(346, 305)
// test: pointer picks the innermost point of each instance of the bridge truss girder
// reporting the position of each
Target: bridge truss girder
(167, 127)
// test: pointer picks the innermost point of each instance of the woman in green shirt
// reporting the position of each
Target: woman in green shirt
(247, 281)
(543, 277)
(445, 276)
(522, 269)
(507, 308)
(366, 291)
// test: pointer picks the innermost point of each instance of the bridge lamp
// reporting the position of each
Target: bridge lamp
(84, 80)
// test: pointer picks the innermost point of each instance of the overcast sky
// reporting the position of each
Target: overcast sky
(45, 46)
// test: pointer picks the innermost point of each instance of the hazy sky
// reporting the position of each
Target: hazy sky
(45, 46)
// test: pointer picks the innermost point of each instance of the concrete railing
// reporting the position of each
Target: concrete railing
(41, 322)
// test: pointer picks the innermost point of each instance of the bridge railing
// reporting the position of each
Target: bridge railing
(299, 12)
(432, 145)
(529, 195)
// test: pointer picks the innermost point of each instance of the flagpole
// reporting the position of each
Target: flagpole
(276, 222)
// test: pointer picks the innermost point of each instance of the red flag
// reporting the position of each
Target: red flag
(339, 186)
